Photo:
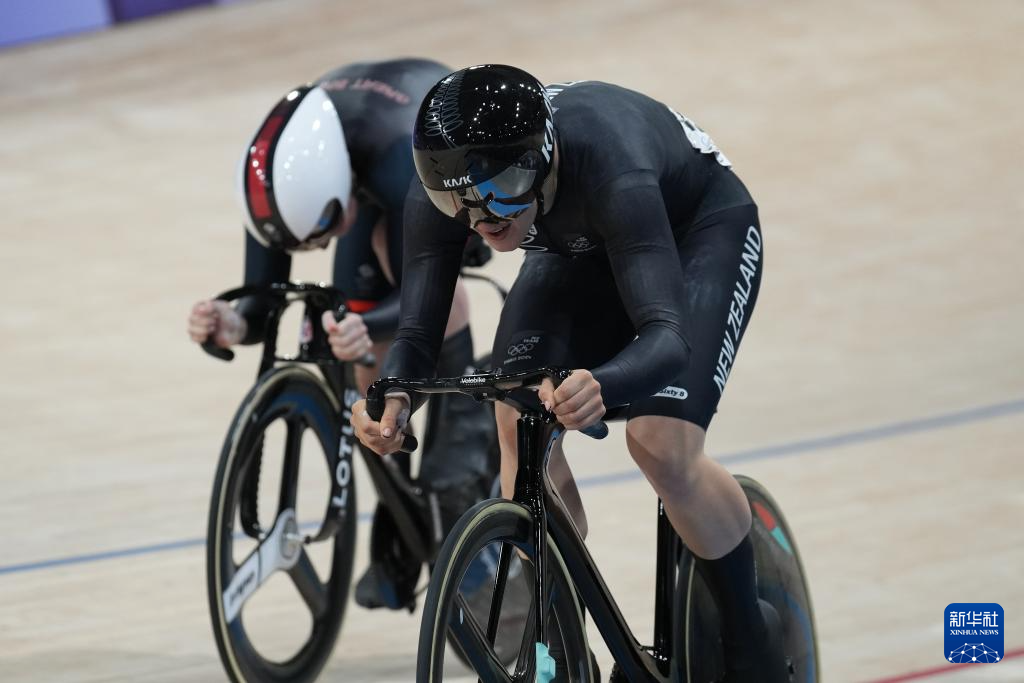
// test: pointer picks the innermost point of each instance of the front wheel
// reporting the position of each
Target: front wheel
(277, 595)
(458, 604)
(780, 580)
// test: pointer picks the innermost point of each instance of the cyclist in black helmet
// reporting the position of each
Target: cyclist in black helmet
(643, 263)
(333, 159)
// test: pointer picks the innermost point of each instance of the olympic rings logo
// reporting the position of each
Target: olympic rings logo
(519, 349)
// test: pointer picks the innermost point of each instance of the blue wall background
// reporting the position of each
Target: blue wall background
(23, 21)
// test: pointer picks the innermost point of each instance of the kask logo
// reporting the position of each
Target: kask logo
(457, 182)
(974, 633)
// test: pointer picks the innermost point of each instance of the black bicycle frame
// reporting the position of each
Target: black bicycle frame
(537, 432)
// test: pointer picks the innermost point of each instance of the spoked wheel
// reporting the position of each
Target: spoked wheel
(277, 595)
(459, 600)
(780, 580)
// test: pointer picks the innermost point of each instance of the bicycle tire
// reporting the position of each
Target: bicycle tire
(294, 395)
(492, 522)
(781, 580)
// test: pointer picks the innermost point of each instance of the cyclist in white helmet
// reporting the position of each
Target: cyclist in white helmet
(334, 160)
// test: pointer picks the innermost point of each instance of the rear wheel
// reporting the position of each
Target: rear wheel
(780, 580)
(277, 594)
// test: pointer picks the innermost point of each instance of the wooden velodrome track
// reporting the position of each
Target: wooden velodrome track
(879, 394)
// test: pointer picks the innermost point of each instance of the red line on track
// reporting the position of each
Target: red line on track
(939, 670)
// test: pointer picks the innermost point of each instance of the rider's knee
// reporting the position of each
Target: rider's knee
(666, 450)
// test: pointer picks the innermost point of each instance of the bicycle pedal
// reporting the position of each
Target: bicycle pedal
(375, 591)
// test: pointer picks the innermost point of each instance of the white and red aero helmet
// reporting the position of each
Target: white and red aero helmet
(295, 175)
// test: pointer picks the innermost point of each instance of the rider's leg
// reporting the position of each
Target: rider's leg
(709, 511)
(558, 467)
(565, 486)
(722, 259)
(703, 501)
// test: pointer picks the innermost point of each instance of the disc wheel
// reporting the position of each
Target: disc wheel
(780, 580)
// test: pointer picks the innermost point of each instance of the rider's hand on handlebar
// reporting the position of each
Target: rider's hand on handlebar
(576, 402)
(348, 338)
(372, 434)
(216, 319)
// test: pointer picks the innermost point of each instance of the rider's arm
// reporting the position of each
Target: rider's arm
(382, 321)
(630, 215)
(263, 266)
(432, 255)
(389, 181)
(350, 254)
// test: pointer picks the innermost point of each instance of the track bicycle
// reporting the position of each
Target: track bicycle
(534, 530)
(282, 523)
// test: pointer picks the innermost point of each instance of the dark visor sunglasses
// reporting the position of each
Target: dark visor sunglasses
(503, 197)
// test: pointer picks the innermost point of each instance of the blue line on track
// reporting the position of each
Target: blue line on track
(879, 433)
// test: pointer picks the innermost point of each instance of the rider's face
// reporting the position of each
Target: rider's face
(506, 235)
(343, 226)
(349, 217)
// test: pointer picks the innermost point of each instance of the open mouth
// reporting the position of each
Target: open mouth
(494, 230)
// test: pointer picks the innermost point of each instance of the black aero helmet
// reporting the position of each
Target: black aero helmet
(483, 142)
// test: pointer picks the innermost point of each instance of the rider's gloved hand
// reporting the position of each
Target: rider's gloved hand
(576, 402)
(216, 319)
(348, 337)
(385, 436)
